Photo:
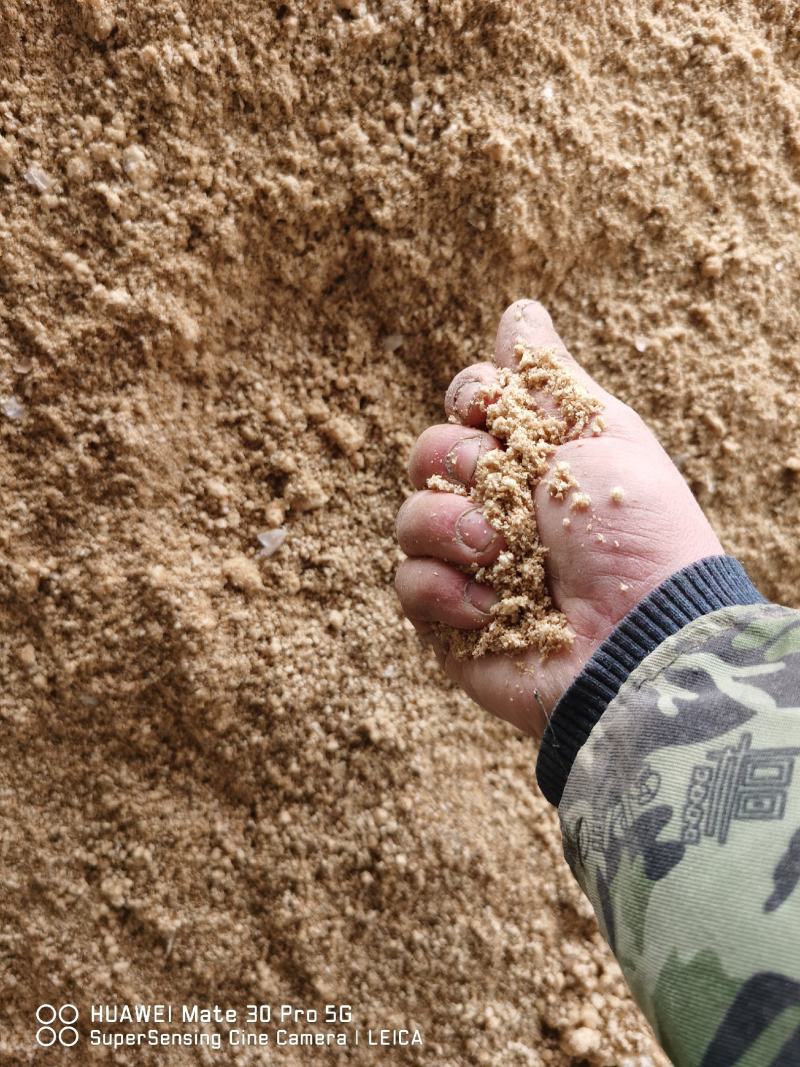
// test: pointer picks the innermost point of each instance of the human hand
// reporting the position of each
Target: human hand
(652, 529)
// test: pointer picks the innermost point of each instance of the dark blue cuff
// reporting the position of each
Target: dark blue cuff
(710, 584)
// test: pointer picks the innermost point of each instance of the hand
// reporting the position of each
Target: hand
(655, 529)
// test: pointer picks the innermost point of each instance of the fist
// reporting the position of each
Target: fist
(649, 526)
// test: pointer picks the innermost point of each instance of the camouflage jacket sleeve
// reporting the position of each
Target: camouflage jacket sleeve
(681, 821)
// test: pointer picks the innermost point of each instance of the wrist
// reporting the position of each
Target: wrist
(708, 585)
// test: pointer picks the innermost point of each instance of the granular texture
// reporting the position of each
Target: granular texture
(538, 406)
(244, 247)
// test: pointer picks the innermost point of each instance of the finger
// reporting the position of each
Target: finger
(529, 323)
(429, 638)
(431, 591)
(523, 689)
(492, 682)
(466, 399)
(449, 451)
(447, 526)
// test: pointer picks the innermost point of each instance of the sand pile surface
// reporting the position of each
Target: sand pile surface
(243, 249)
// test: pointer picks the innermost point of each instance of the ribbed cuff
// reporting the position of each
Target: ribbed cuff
(703, 587)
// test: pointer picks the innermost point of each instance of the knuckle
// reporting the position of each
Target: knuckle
(406, 580)
(402, 514)
(415, 458)
(453, 389)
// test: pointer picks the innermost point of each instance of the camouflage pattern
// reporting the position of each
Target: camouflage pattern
(681, 821)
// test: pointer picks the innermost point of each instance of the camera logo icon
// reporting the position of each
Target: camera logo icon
(56, 1026)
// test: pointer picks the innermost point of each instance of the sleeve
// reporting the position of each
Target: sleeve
(680, 813)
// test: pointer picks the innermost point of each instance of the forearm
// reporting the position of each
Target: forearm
(681, 820)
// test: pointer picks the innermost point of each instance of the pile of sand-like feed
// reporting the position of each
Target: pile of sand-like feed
(243, 249)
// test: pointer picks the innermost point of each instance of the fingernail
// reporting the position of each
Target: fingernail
(461, 460)
(474, 531)
(480, 596)
(465, 397)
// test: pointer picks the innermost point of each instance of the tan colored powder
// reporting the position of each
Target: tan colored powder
(561, 481)
(580, 502)
(438, 481)
(505, 482)
(242, 573)
(247, 220)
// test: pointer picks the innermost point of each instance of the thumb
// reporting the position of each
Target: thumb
(528, 322)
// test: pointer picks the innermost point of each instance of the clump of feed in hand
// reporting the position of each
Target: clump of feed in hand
(436, 481)
(580, 502)
(505, 481)
(561, 481)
